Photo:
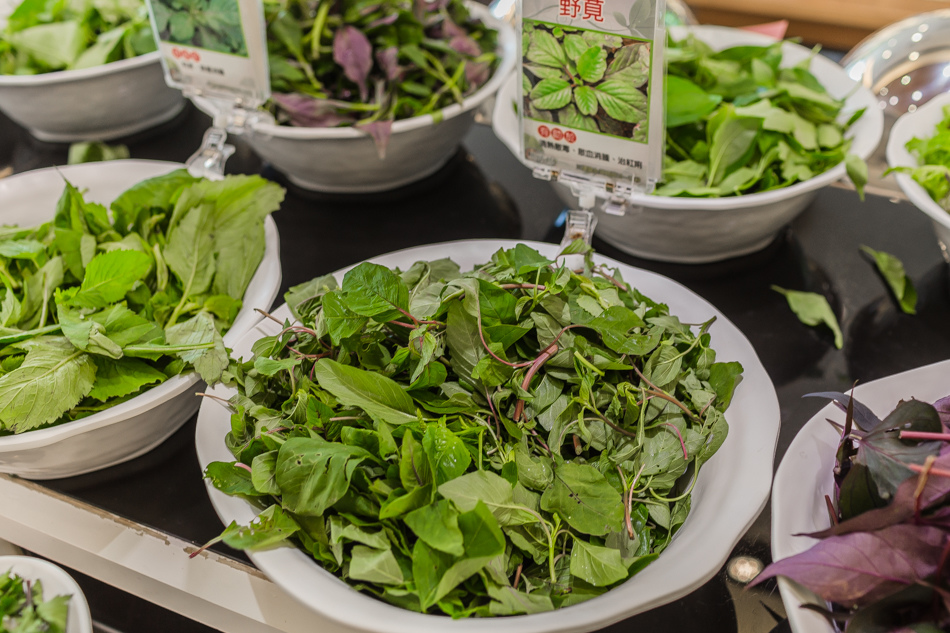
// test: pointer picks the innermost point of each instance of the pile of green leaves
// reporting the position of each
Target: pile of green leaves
(23, 610)
(46, 35)
(933, 158)
(513, 439)
(738, 123)
(96, 309)
(883, 561)
(213, 25)
(586, 80)
(353, 62)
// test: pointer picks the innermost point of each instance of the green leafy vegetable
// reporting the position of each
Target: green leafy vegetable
(933, 159)
(739, 123)
(508, 440)
(95, 152)
(42, 36)
(892, 270)
(23, 608)
(813, 309)
(94, 312)
(214, 25)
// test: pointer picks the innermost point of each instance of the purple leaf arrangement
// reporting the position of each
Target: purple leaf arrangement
(884, 562)
(367, 64)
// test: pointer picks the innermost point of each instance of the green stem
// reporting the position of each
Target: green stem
(319, 22)
(165, 349)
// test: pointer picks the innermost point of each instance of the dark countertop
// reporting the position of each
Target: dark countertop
(485, 192)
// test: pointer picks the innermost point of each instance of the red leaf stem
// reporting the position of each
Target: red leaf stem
(244, 466)
(542, 358)
(939, 472)
(680, 436)
(924, 435)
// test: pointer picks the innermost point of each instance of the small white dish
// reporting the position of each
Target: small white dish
(56, 582)
(730, 494)
(920, 124)
(805, 476)
(344, 159)
(135, 427)
(700, 230)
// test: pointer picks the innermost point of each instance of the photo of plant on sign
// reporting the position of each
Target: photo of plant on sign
(587, 80)
(213, 25)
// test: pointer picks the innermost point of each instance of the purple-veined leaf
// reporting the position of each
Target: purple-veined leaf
(859, 568)
(465, 45)
(354, 53)
(380, 131)
(863, 417)
(306, 111)
(387, 58)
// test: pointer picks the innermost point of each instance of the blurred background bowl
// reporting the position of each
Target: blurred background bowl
(56, 582)
(138, 425)
(92, 104)
(920, 123)
(344, 159)
(700, 230)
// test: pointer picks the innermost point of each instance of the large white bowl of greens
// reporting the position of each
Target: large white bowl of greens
(919, 150)
(382, 97)
(110, 318)
(82, 70)
(567, 467)
(755, 129)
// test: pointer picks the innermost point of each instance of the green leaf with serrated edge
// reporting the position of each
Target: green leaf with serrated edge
(545, 49)
(271, 527)
(375, 291)
(813, 309)
(586, 100)
(582, 497)
(159, 193)
(551, 94)
(570, 117)
(592, 64)
(544, 72)
(631, 65)
(189, 252)
(892, 270)
(209, 362)
(341, 321)
(600, 566)
(53, 378)
(377, 395)
(622, 101)
(117, 378)
(437, 525)
(575, 46)
(314, 474)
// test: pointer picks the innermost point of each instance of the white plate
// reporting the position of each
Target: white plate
(805, 477)
(56, 582)
(698, 230)
(729, 495)
(920, 124)
(134, 427)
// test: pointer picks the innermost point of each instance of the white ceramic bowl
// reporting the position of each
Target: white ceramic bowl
(92, 104)
(343, 159)
(699, 230)
(920, 124)
(56, 582)
(805, 476)
(731, 491)
(134, 427)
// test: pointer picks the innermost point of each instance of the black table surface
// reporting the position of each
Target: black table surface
(484, 192)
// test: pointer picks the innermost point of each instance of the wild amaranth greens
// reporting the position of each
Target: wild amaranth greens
(213, 25)
(882, 562)
(511, 439)
(24, 610)
(369, 64)
(933, 158)
(739, 123)
(46, 35)
(813, 309)
(98, 307)
(586, 79)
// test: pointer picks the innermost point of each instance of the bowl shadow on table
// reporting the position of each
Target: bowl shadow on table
(742, 288)
(884, 340)
(322, 232)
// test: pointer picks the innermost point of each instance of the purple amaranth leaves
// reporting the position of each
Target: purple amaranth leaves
(465, 45)
(354, 53)
(450, 29)
(380, 131)
(862, 567)
(387, 59)
(384, 21)
(305, 111)
(476, 74)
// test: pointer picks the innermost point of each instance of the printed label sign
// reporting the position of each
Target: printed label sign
(213, 48)
(592, 88)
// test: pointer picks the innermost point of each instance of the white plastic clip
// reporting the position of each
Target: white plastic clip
(209, 160)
